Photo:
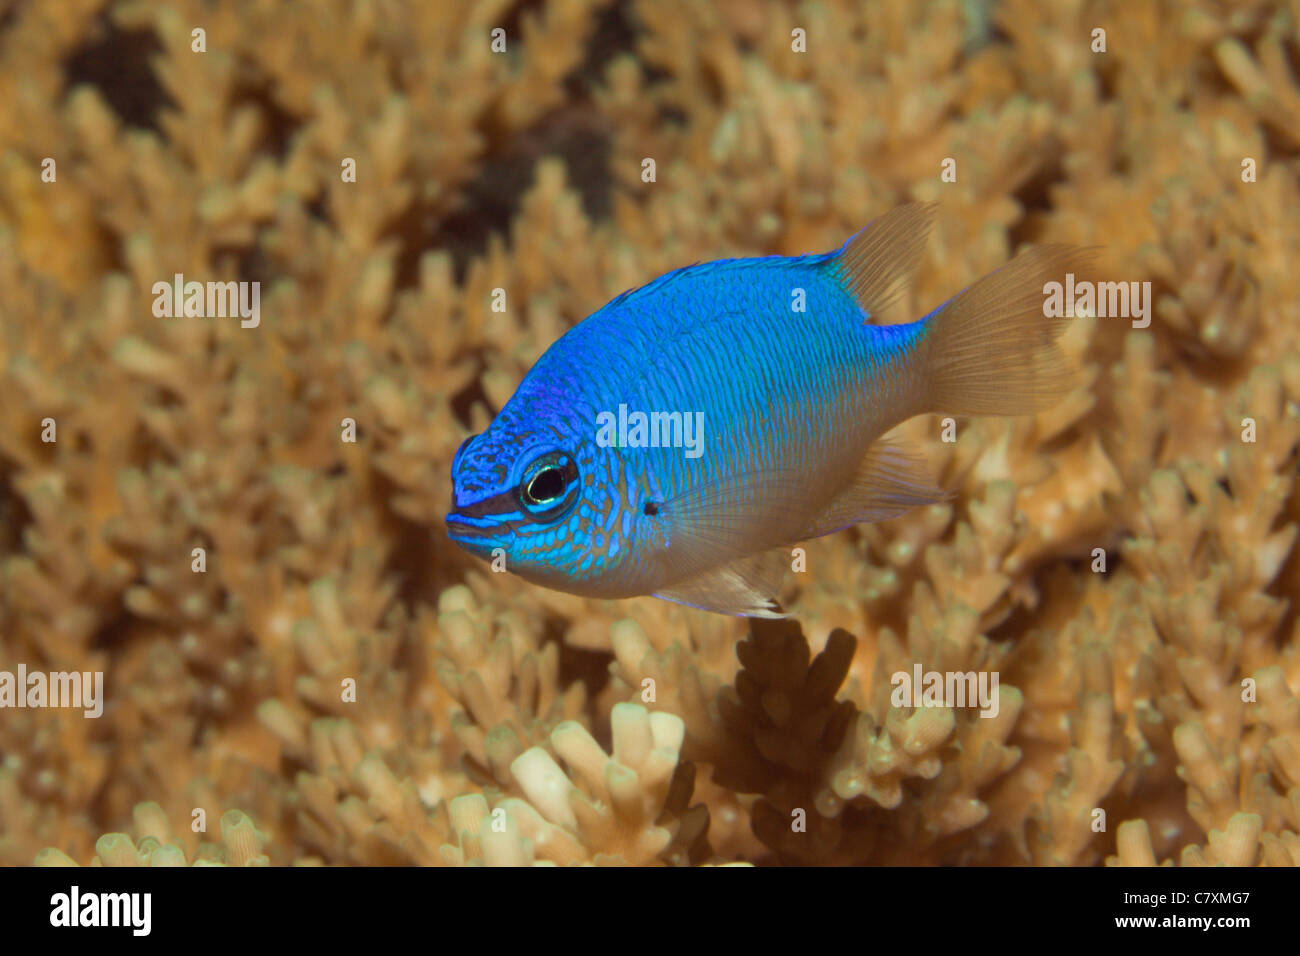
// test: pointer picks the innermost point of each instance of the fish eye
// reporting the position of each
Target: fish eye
(546, 486)
(549, 486)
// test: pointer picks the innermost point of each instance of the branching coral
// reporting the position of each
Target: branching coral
(240, 844)
(241, 527)
(630, 803)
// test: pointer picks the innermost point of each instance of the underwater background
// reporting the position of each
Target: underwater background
(330, 680)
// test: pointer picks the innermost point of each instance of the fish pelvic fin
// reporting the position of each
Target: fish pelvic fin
(876, 265)
(746, 587)
(891, 480)
(992, 349)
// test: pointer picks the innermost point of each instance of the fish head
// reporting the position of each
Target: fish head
(518, 496)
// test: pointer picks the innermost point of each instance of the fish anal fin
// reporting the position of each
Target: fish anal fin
(891, 479)
(745, 586)
(876, 265)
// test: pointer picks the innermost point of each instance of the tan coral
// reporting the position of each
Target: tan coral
(362, 689)
(608, 808)
(240, 844)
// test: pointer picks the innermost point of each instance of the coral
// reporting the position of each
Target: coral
(631, 804)
(240, 844)
(241, 527)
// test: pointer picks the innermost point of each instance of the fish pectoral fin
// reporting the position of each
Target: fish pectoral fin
(715, 522)
(746, 586)
(721, 534)
(890, 480)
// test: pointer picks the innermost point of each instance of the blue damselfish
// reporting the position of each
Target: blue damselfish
(681, 439)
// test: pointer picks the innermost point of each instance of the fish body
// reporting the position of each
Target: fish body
(789, 390)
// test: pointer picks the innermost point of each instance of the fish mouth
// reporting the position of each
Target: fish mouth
(476, 534)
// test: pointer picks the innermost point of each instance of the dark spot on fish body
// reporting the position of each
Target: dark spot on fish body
(651, 508)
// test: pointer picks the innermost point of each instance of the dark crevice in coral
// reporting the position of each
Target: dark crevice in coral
(513, 21)
(690, 845)
(1283, 583)
(586, 154)
(1012, 627)
(1289, 572)
(315, 209)
(1219, 371)
(615, 33)
(112, 633)
(1105, 73)
(491, 200)
(250, 263)
(1277, 144)
(479, 774)
(858, 816)
(590, 668)
(278, 126)
(577, 133)
(713, 84)
(487, 204)
(654, 75)
(408, 653)
(451, 564)
(116, 63)
(413, 563)
(15, 516)
(586, 158)
(996, 36)
(1035, 198)
(113, 249)
(463, 401)
(411, 229)
(672, 116)
(1291, 54)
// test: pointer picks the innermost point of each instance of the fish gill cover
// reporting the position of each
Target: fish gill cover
(265, 268)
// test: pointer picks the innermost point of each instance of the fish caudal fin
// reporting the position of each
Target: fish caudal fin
(991, 350)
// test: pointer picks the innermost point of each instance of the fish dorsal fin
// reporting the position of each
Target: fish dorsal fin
(746, 586)
(890, 480)
(878, 263)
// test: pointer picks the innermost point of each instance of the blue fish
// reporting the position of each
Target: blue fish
(679, 441)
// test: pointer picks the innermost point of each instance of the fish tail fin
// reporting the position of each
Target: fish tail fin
(992, 349)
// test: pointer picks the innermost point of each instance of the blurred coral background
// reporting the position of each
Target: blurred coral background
(1121, 690)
